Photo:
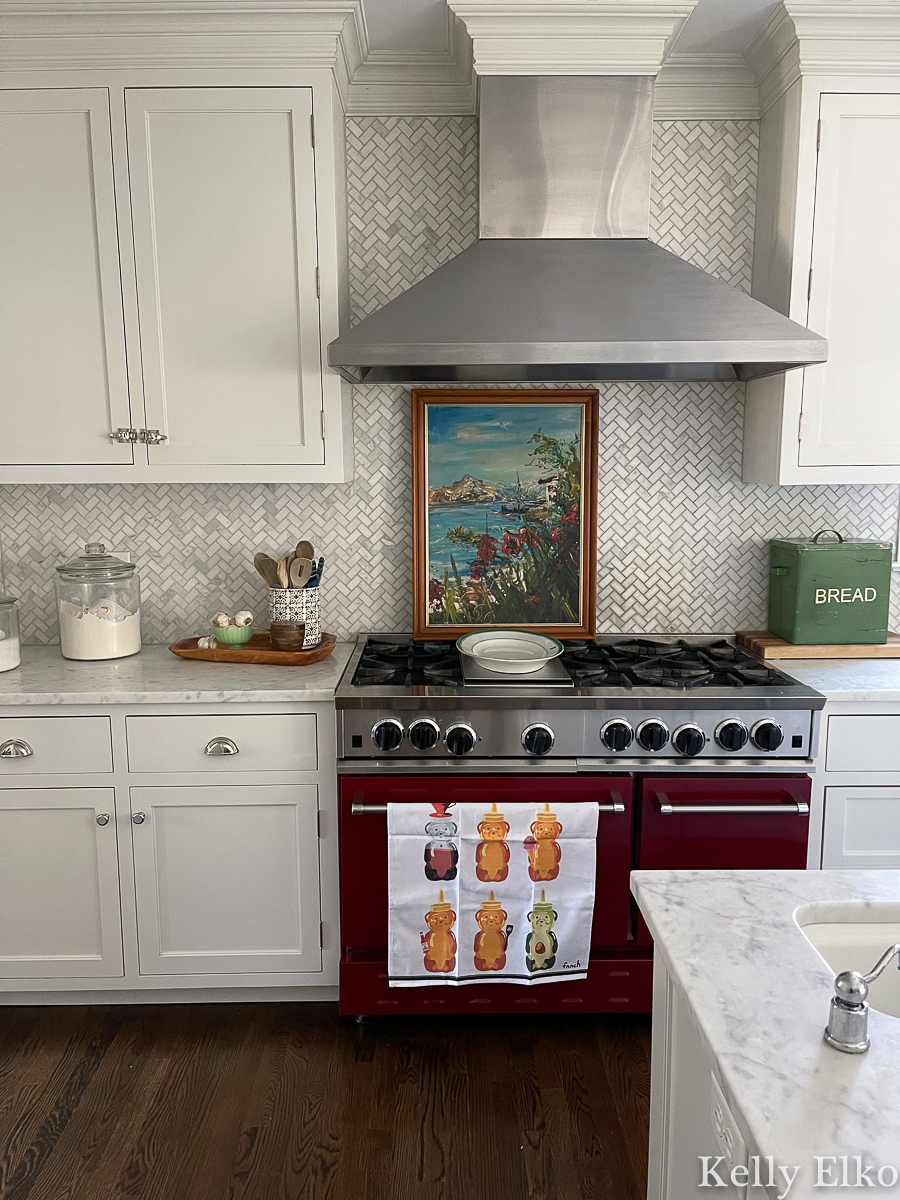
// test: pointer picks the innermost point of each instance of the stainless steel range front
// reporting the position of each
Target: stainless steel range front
(621, 701)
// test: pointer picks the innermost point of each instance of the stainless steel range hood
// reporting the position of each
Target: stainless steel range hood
(563, 282)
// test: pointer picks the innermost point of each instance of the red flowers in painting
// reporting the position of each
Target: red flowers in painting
(487, 548)
(512, 545)
(571, 515)
(435, 592)
(531, 598)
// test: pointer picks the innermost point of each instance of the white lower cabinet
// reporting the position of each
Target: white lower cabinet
(59, 884)
(862, 827)
(227, 879)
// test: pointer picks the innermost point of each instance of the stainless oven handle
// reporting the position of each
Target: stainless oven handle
(358, 810)
(795, 808)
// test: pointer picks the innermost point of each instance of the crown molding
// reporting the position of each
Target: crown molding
(824, 37)
(705, 88)
(571, 37)
(424, 84)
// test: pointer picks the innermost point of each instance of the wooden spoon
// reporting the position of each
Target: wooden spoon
(305, 550)
(300, 571)
(267, 567)
(283, 573)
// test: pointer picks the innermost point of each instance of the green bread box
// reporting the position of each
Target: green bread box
(829, 592)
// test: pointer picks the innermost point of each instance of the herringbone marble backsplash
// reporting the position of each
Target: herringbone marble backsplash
(682, 542)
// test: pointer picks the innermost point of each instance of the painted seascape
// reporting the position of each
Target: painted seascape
(504, 521)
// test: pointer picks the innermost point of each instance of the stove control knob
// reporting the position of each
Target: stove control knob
(617, 734)
(689, 740)
(387, 734)
(652, 734)
(424, 734)
(538, 739)
(460, 739)
(732, 735)
(767, 734)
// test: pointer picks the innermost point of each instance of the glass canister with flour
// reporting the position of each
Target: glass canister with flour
(98, 599)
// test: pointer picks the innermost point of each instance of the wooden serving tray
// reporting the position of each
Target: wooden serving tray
(768, 646)
(257, 651)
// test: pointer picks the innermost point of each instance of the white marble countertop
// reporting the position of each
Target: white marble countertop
(156, 676)
(865, 680)
(760, 995)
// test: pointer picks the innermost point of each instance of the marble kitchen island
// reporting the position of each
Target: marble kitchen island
(741, 999)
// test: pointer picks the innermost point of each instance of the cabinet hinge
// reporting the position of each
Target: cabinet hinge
(318, 284)
(312, 130)
(818, 136)
(123, 435)
(322, 422)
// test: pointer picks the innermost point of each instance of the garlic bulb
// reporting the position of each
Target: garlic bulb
(206, 643)
(221, 620)
(243, 618)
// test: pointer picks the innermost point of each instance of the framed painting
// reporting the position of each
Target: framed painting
(505, 521)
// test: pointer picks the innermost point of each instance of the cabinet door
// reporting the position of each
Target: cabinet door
(851, 414)
(223, 205)
(227, 879)
(862, 827)
(59, 884)
(63, 384)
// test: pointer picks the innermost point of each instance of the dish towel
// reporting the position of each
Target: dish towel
(481, 896)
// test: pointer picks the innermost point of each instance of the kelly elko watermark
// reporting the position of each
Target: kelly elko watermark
(828, 1171)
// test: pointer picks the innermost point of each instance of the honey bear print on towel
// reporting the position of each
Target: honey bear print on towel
(441, 853)
(439, 943)
(541, 944)
(492, 852)
(491, 939)
(542, 847)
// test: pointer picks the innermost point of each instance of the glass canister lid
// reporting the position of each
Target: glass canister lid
(96, 564)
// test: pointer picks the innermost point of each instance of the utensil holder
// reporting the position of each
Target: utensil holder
(301, 605)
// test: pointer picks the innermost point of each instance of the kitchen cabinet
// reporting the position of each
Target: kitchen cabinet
(59, 884)
(825, 254)
(171, 263)
(63, 378)
(226, 878)
(147, 865)
(862, 827)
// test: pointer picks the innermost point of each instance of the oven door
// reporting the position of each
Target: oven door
(619, 978)
(722, 822)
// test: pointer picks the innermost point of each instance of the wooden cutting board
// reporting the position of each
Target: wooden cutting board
(767, 645)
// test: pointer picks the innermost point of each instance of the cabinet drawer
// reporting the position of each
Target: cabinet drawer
(56, 745)
(862, 827)
(222, 744)
(863, 743)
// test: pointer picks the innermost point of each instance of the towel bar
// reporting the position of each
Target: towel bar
(617, 806)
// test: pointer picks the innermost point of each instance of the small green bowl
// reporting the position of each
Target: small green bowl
(233, 635)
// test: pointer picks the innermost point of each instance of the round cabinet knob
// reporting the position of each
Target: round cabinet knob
(652, 734)
(617, 734)
(102, 818)
(139, 818)
(538, 739)
(767, 734)
(460, 739)
(424, 734)
(732, 735)
(387, 734)
(689, 740)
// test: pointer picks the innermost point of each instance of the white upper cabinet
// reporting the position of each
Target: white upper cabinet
(63, 382)
(851, 404)
(183, 242)
(826, 250)
(224, 217)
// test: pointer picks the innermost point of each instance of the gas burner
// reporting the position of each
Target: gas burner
(673, 677)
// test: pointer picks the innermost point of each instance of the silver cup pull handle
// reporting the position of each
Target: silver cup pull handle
(221, 745)
(15, 748)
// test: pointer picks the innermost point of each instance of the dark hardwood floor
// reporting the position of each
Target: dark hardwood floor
(292, 1102)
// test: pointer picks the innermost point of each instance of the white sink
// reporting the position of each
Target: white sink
(852, 937)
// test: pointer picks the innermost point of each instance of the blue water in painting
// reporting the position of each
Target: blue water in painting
(442, 517)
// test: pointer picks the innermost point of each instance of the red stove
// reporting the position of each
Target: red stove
(696, 753)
